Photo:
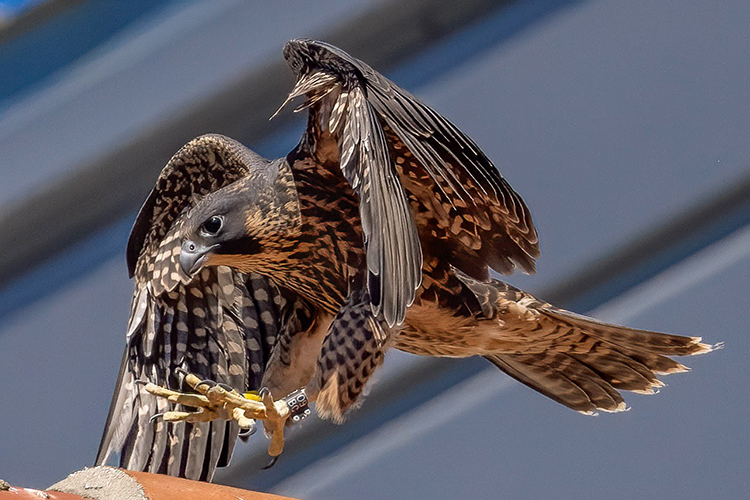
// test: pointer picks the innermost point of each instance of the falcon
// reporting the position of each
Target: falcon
(378, 230)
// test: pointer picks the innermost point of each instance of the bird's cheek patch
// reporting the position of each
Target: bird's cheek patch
(219, 260)
(240, 262)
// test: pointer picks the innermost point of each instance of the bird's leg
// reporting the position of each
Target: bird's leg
(218, 401)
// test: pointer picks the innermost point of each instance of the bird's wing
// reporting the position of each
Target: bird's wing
(380, 131)
(219, 324)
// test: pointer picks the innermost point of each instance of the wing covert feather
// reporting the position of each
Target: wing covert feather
(367, 115)
(219, 324)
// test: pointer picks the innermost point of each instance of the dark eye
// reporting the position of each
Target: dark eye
(213, 225)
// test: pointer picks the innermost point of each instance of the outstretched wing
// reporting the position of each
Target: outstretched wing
(219, 324)
(415, 173)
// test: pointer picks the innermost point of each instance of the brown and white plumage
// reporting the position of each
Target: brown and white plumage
(219, 323)
(367, 116)
(317, 254)
(578, 361)
(378, 230)
(363, 130)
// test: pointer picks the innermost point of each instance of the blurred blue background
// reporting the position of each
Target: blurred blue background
(624, 126)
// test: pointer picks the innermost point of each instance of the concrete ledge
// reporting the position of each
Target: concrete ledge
(109, 483)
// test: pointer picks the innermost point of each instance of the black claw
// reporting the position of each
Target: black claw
(181, 371)
(209, 383)
(142, 382)
(263, 391)
(272, 462)
(155, 417)
(226, 387)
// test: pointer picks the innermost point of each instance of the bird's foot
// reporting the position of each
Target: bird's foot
(219, 401)
(289, 409)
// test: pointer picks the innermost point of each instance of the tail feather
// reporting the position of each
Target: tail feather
(629, 338)
(620, 371)
(584, 362)
(562, 379)
(658, 364)
(575, 360)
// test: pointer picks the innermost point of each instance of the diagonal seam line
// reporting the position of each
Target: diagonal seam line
(408, 427)
(685, 274)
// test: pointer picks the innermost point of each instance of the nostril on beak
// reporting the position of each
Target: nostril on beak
(192, 256)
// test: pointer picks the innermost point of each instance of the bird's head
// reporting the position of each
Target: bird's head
(241, 225)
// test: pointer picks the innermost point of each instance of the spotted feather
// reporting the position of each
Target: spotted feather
(375, 124)
(219, 324)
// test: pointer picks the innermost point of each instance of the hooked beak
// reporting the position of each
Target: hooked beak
(192, 256)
